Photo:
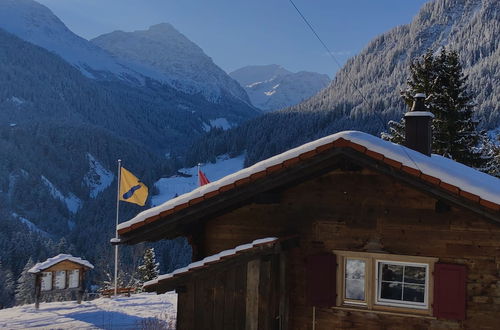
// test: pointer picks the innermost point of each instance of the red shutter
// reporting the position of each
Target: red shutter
(321, 279)
(450, 286)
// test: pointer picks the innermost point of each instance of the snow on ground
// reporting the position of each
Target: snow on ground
(180, 184)
(133, 312)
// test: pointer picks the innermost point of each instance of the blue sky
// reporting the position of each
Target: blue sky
(236, 33)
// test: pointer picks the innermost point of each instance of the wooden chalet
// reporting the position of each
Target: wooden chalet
(62, 273)
(348, 231)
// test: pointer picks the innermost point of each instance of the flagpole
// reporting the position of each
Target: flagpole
(116, 228)
(199, 164)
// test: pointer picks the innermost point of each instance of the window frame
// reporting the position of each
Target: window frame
(395, 303)
(372, 302)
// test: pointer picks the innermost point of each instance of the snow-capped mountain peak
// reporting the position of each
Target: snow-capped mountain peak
(168, 51)
(35, 23)
(271, 87)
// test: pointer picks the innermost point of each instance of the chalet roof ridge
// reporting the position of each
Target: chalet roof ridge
(57, 259)
(440, 171)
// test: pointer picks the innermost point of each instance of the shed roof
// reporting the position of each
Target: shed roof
(452, 177)
(41, 266)
(210, 260)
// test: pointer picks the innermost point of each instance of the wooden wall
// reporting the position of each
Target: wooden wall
(348, 210)
(236, 296)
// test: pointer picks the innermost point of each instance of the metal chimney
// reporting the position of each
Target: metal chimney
(418, 131)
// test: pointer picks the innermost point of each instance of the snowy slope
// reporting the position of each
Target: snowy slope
(185, 64)
(271, 87)
(35, 23)
(97, 178)
(381, 69)
(188, 180)
(72, 202)
(133, 312)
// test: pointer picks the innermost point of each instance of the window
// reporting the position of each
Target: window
(46, 284)
(60, 282)
(74, 278)
(384, 282)
(355, 280)
(402, 284)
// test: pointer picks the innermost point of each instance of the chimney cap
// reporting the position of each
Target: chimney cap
(419, 114)
(419, 95)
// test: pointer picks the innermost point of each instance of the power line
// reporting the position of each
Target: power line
(336, 61)
(347, 75)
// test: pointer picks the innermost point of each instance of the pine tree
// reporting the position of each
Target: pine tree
(6, 287)
(25, 289)
(455, 133)
(491, 153)
(149, 268)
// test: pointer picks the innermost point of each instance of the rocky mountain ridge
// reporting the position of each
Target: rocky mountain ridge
(272, 87)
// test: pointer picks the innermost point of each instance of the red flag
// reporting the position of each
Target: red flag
(202, 179)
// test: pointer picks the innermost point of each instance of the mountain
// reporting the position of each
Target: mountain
(35, 23)
(381, 69)
(272, 87)
(378, 73)
(185, 65)
(68, 111)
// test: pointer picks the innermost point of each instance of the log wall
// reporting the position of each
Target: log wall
(355, 210)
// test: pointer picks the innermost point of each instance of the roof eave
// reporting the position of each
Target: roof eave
(178, 223)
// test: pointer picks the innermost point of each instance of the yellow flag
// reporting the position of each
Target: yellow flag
(131, 189)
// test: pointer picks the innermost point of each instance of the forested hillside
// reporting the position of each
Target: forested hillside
(61, 134)
(379, 72)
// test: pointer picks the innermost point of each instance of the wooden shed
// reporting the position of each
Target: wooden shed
(62, 273)
(361, 234)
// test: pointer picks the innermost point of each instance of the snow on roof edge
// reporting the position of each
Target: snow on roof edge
(467, 179)
(57, 259)
(211, 259)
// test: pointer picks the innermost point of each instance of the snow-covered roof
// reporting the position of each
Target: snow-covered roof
(41, 266)
(213, 259)
(449, 175)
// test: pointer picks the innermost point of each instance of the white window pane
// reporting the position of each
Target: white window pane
(355, 289)
(355, 279)
(46, 281)
(60, 282)
(74, 276)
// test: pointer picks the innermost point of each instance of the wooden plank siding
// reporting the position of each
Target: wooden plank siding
(240, 295)
(350, 210)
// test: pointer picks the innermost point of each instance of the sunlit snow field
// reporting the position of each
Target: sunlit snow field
(181, 184)
(135, 312)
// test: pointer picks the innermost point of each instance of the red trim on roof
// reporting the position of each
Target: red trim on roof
(258, 175)
(339, 143)
(393, 163)
(490, 205)
(308, 154)
(358, 147)
(470, 196)
(430, 179)
(411, 170)
(450, 187)
(374, 155)
(290, 162)
(274, 168)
